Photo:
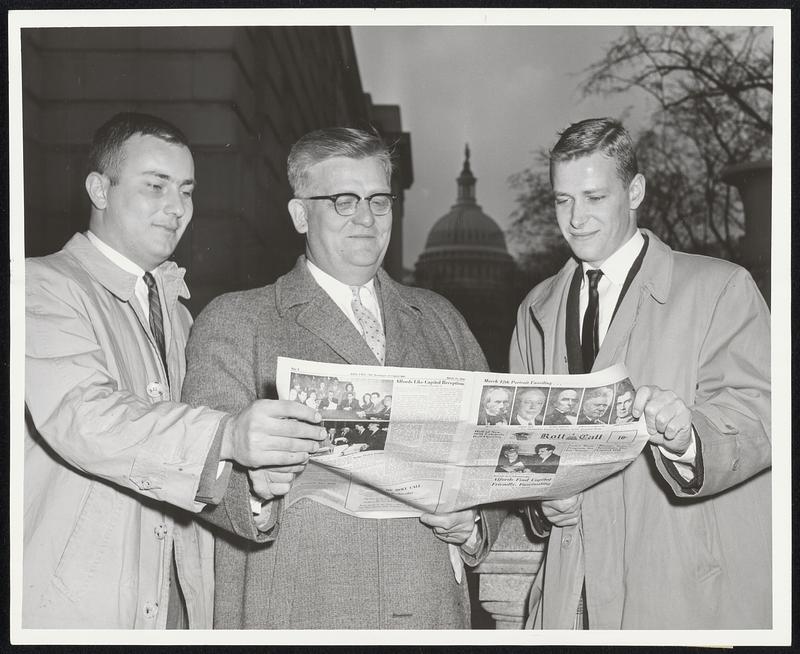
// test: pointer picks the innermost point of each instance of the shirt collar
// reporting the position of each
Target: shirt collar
(333, 286)
(616, 267)
(115, 257)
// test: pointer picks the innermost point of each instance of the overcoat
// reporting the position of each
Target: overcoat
(656, 556)
(317, 567)
(108, 449)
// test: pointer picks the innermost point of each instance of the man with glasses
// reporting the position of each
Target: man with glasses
(337, 306)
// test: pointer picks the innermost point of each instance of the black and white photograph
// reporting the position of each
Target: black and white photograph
(495, 405)
(545, 460)
(624, 395)
(339, 399)
(195, 193)
(511, 461)
(529, 405)
(562, 406)
(345, 438)
(596, 405)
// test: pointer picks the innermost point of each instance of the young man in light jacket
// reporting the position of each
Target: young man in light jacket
(115, 466)
(680, 539)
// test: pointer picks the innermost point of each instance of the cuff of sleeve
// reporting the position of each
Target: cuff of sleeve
(688, 456)
(687, 474)
(216, 473)
(262, 514)
(473, 543)
(539, 525)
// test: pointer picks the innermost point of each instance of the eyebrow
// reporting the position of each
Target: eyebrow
(168, 178)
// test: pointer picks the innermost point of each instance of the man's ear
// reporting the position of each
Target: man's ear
(97, 186)
(297, 210)
(636, 190)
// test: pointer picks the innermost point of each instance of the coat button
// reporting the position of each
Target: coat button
(155, 389)
(144, 483)
(161, 531)
(735, 465)
(566, 541)
(150, 609)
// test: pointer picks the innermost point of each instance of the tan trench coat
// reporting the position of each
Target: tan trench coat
(107, 454)
(654, 556)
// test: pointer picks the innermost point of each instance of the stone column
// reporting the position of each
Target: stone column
(753, 180)
(507, 574)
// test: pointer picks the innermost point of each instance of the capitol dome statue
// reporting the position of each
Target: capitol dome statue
(466, 260)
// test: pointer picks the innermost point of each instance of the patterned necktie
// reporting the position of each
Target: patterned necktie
(590, 341)
(373, 334)
(156, 318)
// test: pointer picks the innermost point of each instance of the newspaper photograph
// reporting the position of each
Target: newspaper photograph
(407, 441)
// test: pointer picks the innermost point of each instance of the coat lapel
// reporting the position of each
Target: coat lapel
(401, 325)
(554, 323)
(652, 281)
(319, 314)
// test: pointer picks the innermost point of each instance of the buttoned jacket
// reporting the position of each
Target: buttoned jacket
(656, 555)
(108, 449)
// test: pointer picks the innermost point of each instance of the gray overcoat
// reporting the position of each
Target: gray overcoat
(317, 567)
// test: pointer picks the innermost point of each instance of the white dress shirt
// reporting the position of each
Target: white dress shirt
(127, 265)
(341, 294)
(615, 271)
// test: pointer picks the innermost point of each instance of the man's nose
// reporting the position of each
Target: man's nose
(579, 215)
(363, 214)
(175, 204)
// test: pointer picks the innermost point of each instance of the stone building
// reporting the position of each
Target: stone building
(243, 95)
(466, 260)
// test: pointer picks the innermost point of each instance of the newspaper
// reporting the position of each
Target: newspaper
(407, 441)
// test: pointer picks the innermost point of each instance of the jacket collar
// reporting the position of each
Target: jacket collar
(655, 275)
(656, 272)
(320, 315)
(548, 303)
(118, 281)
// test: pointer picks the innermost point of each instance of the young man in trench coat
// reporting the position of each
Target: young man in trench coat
(115, 466)
(680, 539)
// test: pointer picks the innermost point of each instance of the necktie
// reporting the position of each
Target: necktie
(590, 342)
(156, 318)
(373, 334)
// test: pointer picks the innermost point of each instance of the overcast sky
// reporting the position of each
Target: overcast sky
(506, 91)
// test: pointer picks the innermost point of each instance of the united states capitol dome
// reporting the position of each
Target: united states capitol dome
(466, 260)
(465, 224)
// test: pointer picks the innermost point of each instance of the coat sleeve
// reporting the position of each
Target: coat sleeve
(731, 414)
(221, 373)
(77, 407)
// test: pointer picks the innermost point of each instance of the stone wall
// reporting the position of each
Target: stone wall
(243, 95)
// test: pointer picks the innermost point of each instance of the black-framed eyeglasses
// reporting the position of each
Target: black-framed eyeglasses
(346, 204)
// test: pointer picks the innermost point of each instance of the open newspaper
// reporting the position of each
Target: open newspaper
(407, 441)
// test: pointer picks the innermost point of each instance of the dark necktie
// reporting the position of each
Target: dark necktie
(590, 341)
(156, 318)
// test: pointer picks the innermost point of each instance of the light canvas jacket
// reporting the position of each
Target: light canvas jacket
(317, 567)
(655, 556)
(106, 453)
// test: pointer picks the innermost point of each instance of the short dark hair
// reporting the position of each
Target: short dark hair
(544, 446)
(323, 144)
(604, 135)
(105, 155)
